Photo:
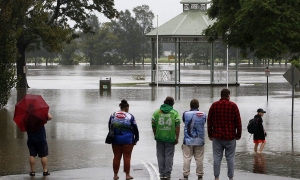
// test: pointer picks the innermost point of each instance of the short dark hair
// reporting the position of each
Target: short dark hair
(124, 104)
(225, 93)
(194, 103)
(169, 100)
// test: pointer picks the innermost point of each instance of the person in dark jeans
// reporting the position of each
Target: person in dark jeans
(37, 145)
(260, 133)
(166, 128)
(224, 128)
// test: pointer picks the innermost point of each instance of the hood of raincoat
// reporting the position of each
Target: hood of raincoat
(165, 108)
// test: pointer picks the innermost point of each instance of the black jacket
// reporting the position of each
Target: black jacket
(260, 133)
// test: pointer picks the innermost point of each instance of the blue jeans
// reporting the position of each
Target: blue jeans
(218, 148)
(165, 154)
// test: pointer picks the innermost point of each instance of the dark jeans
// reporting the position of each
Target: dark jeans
(218, 149)
(165, 155)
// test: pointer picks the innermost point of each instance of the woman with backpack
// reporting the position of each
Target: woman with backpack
(260, 133)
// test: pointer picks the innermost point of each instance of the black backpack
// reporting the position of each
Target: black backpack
(252, 126)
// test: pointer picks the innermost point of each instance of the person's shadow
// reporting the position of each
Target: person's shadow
(259, 165)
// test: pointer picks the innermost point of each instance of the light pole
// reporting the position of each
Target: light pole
(227, 66)
(157, 53)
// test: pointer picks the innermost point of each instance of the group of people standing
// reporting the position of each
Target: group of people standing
(224, 127)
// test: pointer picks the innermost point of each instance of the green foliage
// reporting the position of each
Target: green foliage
(296, 63)
(144, 17)
(46, 24)
(8, 52)
(129, 33)
(37, 56)
(99, 46)
(200, 51)
(269, 28)
(70, 54)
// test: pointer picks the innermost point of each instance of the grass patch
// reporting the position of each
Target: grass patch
(129, 84)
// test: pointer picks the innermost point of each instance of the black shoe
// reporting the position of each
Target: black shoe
(199, 177)
(46, 173)
(32, 173)
(186, 177)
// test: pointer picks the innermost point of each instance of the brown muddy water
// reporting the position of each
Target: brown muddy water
(80, 115)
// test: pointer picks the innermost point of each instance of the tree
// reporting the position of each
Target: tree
(89, 40)
(128, 31)
(8, 51)
(45, 23)
(200, 53)
(269, 28)
(98, 45)
(70, 54)
(38, 55)
(144, 17)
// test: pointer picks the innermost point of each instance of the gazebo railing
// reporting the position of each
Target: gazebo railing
(164, 75)
(221, 76)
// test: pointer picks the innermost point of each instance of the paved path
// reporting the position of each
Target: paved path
(143, 171)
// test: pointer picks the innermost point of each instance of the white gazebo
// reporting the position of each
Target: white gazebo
(186, 27)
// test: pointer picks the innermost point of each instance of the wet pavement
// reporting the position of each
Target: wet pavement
(80, 114)
(140, 172)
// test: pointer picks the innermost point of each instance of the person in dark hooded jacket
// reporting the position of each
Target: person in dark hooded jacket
(166, 128)
(260, 133)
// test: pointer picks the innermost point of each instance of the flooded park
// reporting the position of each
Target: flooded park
(80, 113)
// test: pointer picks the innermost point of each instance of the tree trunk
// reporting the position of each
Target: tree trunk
(143, 54)
(133, 61)
(21, 67)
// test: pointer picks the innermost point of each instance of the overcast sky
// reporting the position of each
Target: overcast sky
(165, 9)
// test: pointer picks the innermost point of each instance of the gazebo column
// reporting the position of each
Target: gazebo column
(236, 66)
(212, 63)
(153, 65)
(179, 60)
(176, 61)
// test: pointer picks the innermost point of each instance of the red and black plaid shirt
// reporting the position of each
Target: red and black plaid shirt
(224, 121)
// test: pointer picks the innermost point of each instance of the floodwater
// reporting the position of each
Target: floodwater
(80, 114)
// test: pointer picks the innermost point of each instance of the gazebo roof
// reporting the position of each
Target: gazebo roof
(191, 22)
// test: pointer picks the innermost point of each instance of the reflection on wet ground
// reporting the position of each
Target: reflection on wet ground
(76, 133)
(275, 163)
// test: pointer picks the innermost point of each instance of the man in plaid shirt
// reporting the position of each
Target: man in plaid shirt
(224, 128)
